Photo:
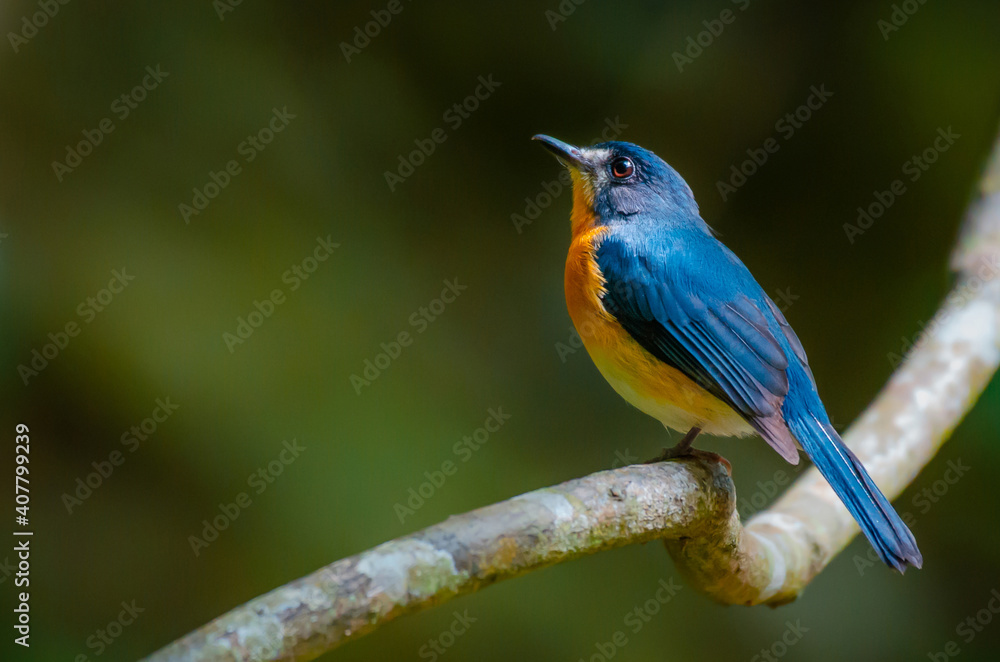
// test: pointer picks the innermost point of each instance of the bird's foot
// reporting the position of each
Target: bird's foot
(684, 449)
(676, 453)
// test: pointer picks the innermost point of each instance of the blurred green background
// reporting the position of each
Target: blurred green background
(498, 343)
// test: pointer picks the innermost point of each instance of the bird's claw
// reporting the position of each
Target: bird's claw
(677, 452)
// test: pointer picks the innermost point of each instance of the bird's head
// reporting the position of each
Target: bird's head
(615, 181)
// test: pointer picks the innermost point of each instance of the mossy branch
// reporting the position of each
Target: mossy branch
(689, 504)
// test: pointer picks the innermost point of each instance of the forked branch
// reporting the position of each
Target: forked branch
(689, 504)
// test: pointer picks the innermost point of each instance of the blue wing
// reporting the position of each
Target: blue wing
(690, 302)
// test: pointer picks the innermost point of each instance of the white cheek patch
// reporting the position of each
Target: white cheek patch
(600, 176)
(593, 181)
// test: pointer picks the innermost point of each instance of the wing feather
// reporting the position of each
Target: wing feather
(705, 324)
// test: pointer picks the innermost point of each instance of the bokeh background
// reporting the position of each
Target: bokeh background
(500, 344)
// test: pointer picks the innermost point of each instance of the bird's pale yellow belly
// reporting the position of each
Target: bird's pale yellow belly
(647, 383)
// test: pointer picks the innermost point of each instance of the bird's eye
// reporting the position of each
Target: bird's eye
(622, 167)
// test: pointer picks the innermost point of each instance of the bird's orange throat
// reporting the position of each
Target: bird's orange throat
(582, 217)
(584, 281)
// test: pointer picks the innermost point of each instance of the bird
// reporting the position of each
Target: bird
(681, 330)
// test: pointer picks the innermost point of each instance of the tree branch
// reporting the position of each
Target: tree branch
(689, 504)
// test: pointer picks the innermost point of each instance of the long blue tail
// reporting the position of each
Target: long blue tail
(879, 522)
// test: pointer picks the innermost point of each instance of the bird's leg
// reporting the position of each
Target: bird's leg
(684, 449)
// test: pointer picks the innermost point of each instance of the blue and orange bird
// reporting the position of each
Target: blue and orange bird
(681, 330)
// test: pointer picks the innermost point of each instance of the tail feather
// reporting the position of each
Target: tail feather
(878, 520)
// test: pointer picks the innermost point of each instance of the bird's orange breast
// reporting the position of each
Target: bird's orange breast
(649, 384)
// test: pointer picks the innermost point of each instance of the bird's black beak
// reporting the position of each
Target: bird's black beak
(569, 155)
